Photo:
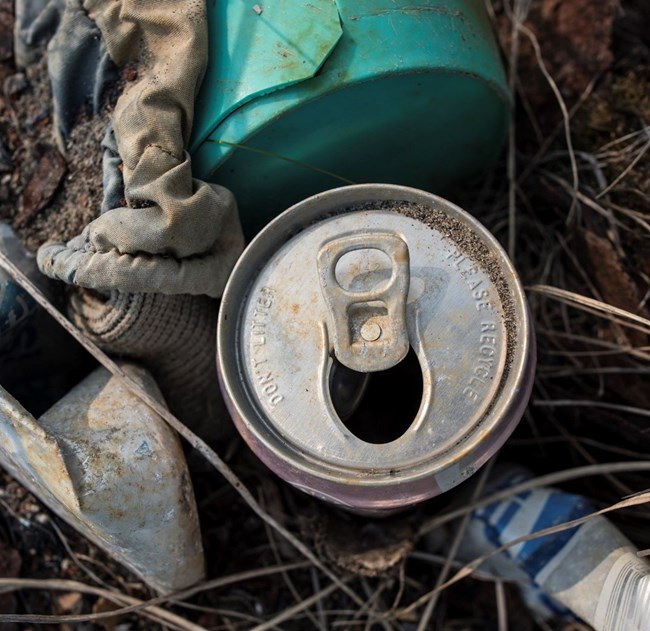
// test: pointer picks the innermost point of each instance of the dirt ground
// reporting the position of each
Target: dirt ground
(570, 199)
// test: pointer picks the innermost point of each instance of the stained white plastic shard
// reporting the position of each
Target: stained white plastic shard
(624, 603)
(114, 470)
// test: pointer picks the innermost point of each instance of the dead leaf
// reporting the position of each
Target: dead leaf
(610, 269)
(42, 186)
(103, 605)
(614, 280)
(584, 30)
(69, 602)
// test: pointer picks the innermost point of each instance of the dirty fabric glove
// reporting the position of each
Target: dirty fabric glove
(176, 235)
(35, 23)
(173, 336)
(79, 67)
(112, 180)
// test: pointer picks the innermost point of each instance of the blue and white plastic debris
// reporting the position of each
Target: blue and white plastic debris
(591, 571)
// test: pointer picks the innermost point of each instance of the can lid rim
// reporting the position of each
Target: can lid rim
(475, 448)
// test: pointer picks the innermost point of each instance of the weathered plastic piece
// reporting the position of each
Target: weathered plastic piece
(300, 36)
(113, 469)
(592, 571)
(302, 97)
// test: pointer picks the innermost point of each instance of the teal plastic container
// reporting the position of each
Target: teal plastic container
(301, 97)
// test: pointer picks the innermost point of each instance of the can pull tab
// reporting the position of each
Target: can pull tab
(368, 327)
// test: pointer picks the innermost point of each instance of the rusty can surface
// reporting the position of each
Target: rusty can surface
(375, 346)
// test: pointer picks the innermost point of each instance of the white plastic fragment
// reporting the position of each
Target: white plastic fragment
(110, 466)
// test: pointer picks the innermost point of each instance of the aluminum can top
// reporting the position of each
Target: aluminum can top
(339, 290)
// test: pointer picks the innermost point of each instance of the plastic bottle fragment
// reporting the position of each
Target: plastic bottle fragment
(592, 571)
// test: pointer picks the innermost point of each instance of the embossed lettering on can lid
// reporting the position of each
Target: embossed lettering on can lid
(340, 288)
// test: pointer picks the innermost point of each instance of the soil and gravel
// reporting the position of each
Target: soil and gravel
(570, 199)
(48, 195)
